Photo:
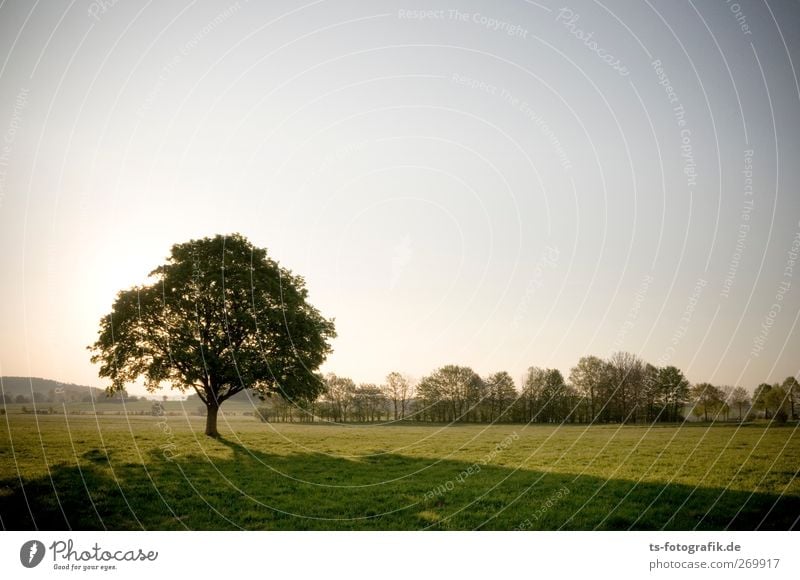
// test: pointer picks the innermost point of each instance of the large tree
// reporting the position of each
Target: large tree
(219, 317)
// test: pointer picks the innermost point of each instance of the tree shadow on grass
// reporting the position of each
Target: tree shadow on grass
(250, 489)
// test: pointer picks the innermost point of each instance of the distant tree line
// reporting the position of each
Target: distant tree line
(53, 396)
(620, 389)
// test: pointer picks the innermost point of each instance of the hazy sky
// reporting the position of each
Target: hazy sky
(492, 184)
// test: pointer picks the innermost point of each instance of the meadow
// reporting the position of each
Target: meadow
(142, 472)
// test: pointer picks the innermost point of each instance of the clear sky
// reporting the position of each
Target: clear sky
(492, 184)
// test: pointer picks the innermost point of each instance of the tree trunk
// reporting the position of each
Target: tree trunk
(211, 420)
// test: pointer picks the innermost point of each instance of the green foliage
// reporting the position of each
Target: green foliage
(777, 399)
(451, 393)
(792, 388)
(592, 380)
(500, 396)
(673, 391)
(626, 389)
(708, 400)
(738, 399)
(761, 399)
(545, 397)
(219, 317)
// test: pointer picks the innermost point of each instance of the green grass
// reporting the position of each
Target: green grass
(101, 407)
(85, 472)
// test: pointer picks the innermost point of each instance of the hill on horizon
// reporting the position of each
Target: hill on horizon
(33, 386)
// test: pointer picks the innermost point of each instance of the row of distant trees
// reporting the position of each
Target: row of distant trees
(620, 389)
(52, 396)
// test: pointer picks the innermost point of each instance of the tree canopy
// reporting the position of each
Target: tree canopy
(220, 316)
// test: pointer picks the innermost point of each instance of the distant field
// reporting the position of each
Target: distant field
(86, 472)
(142, 406)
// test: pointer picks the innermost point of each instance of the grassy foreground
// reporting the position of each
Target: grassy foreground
(85, 472)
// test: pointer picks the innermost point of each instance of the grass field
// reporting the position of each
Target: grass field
(85, 472)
